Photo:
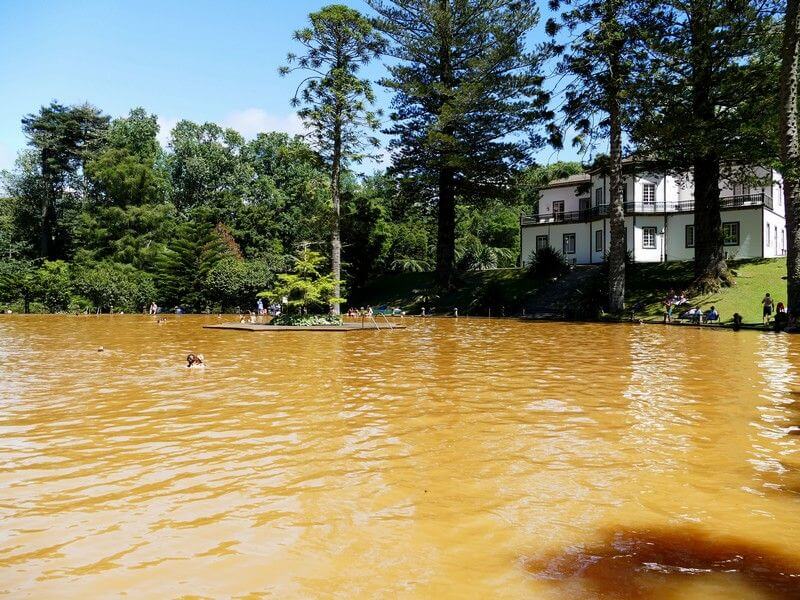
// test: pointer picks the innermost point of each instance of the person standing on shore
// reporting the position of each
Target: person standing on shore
(767, 304)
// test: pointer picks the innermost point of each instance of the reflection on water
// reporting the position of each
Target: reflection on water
(454, 458)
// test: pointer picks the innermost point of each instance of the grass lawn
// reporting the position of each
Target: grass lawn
(753, 278)
(647, 284)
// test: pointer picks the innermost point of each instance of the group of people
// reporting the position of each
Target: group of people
(671, 301)
(273, 309)
(695, 314)
(360, 312)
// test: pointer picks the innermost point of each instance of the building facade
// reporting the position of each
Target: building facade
(659, 217)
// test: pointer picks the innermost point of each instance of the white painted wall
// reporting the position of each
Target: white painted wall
(555, 235)
(750, 234)
(775, 242)
(676, 236)
(643, 254)
(568, 194)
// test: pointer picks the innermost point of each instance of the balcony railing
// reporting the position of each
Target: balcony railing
(645, 208)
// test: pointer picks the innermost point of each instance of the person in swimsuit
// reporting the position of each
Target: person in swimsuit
(767, 312)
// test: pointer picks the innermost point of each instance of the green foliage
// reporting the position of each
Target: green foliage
(18, 281)
(206, 167)
(129, 169)
(547, 262)
(338, 42)
(234, 282)
(114, 286)
(306, 320)
(184, 267)
(53, 285)
(408, 264)
(133, 234)
(468, 96)
(62, 138)
(306, 288)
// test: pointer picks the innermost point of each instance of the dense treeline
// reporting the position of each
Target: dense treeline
(100, 215)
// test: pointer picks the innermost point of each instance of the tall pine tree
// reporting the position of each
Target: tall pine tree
(336, 101)
(597, 64)
(705, 103)
(467, 94)
(790, 147)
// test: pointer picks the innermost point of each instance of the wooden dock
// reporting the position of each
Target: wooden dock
(339, 328)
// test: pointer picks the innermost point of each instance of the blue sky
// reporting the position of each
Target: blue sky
(199, 60)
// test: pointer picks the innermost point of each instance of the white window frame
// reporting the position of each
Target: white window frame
(648, 193)
(599, 236)
(732, 226)
(686, 236)
(565, 247)
(539, 238)
(598, 197)
(560, 211)
(769, 236)
(646, 231)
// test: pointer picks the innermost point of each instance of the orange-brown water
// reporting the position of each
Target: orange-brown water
(469, 458)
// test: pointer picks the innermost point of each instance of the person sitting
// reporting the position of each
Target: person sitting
(694, 314)
(780, 308)
(712, 315)
(737, 321)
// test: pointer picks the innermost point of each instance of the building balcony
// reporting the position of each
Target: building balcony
(645, 208)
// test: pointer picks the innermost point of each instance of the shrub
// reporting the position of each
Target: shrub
(54, 285)
(306, 320)
(548, 262)
(235, 282)
(306, 288)
(108, 284)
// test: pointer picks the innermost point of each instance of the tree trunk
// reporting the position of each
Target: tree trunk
(44, 230)
(790, 149)
(446, 239)
(336, 242)
(710, 268)
(616, 210)
(445, 242)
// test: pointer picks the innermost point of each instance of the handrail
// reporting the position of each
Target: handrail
(645, 208)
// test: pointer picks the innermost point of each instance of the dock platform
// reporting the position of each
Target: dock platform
(339, 328)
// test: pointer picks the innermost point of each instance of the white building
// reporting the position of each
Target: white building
(659, 217)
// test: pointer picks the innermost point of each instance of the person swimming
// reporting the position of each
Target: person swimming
(195, 361)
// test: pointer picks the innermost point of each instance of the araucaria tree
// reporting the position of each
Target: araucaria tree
(706, 102)
(467, 94)
(336, 100)
(597, 64)
(790, 147)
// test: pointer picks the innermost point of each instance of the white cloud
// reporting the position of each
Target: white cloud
(165, 124)
(252, 121)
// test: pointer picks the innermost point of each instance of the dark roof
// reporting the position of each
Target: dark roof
(570, 181)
